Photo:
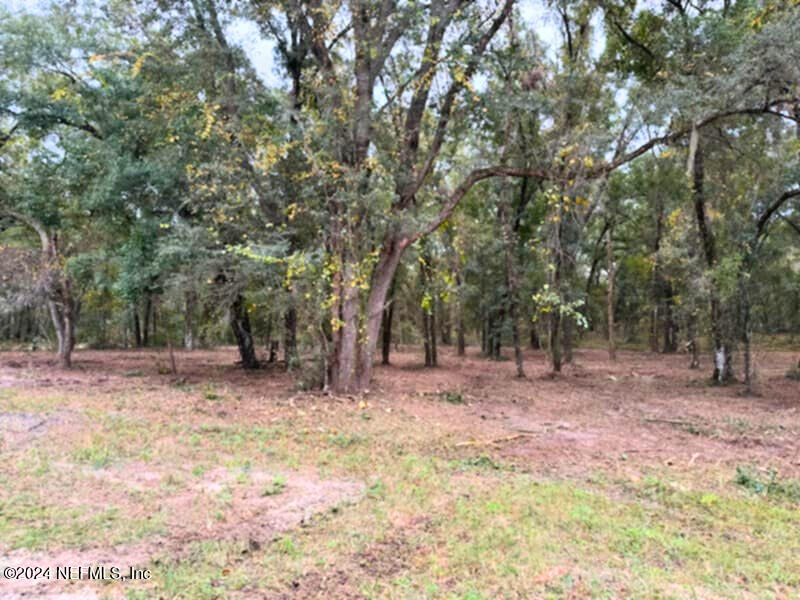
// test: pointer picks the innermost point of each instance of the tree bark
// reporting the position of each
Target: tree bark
(189, 324)
(290, 355)
(460, 325)
(240, 324)
(387, 317)
(612, 344)
(746, 334)
(535, 343)
(137, 330)
(62, 304)
(693, 343)
(670, 327)
(722, 359)
(555, 340)
(146, 324)
(428, 313)
(352, 360)
(386, 332)
(445, 324)
(554, 280)
(62, 312)
(512, 279)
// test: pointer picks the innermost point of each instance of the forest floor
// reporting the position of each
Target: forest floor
(627, 479)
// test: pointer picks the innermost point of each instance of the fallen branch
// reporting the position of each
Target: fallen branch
(509, 438)
(672, 422)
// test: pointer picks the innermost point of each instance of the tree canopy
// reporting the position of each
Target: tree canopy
(444, 173)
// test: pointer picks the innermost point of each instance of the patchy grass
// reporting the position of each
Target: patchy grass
(768, 484)
(452, 397)
(510, 495)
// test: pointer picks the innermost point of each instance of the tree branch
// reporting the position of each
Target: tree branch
(792, 224)
(474, 177)
(772, 208)
(675, 135)
(455, 88)
(35, 224)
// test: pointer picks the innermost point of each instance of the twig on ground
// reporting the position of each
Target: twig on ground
(509, 438)
(672, 422)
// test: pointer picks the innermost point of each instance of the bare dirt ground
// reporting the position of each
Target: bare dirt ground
(621, 419)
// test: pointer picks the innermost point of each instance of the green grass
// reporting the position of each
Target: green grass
(275, 487)
(433, 522)
(768, 484)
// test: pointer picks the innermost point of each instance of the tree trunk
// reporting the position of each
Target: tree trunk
(146, 329)
(240, 324)
(749, 374)
(432, 336)
(656, 281)
(512, 283)
(568, 333)
(554, 282)
(63, 313)
(536, 344)
(722, 360)
(555, 340)
(653, 328)
(351, 361)
(426, 339)
(290, 355)
(428, 321)
(155, 321)
(445, 324)
(137, 330)
(612, 344)
(386, 333)
(670, 327)
(460, 333)
(693, 342)
(497, 333)
(486, 325)
(189, 326)
(517, 348)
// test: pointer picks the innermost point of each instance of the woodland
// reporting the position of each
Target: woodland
(346, 218)
(434, 173)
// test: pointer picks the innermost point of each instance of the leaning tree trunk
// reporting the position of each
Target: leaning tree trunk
(240, 324)
(61, 302)
(352, 356)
